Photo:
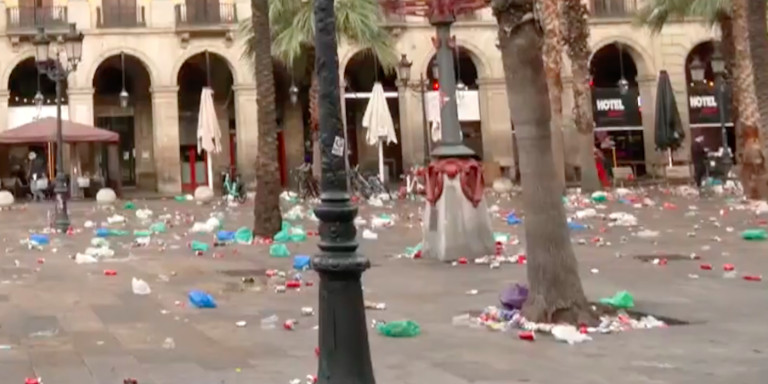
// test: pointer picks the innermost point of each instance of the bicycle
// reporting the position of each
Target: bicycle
(366, 186)
(234, 190)
(305, 182)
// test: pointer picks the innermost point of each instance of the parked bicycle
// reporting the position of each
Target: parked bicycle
(233, 187)
(306, 183)
(415, 181)
(366, 186)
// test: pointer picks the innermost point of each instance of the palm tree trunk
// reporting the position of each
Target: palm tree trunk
(757, 25)
(556, 294)
(266, 212)
(553, 61)
(752, 158)
(576, 34)
(726, 48)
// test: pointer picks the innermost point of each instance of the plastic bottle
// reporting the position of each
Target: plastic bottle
(270, 322)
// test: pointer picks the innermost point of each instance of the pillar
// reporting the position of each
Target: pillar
(80, 103)
(495, 122)
(247, 131)
(4, 95)
(165, 136)
(653, 158)
(412, 137)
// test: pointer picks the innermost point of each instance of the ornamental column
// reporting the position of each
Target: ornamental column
(247, 131)
(165, 138)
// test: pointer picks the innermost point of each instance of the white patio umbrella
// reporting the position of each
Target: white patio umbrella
(378, 120)
(208, 132)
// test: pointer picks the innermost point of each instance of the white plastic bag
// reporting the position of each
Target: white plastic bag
(81, 258)
(140, 287)
(569, 334)
(370, 235)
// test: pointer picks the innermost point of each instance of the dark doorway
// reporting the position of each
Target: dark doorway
(123, 125)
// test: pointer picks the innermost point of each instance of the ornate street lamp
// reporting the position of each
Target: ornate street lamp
(293, 93)
(404, 74)
(124, 97)
(697, 69)
(58, 69)
(345, 355)
(718, 67)
(453, 170)
(623, 83)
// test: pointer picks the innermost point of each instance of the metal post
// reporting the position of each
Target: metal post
(451, 144)
(345, 355)
(62, 215)
(721, 109)
(424, 122)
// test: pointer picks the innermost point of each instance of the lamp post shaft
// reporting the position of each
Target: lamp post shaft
(62, 215)
(424, 122)
(343, 334)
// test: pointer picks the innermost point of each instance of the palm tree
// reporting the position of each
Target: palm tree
(575, 19)
(358, 22)
(266, 212)
(758, 47)
(556, 294)
(553, 61)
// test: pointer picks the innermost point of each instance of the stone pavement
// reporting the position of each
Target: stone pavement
(70, 324)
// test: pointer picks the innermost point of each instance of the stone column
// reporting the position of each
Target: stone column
(247, 131)
(411, 124)
(653, 158)
(495, 122)
(165, 135)
(80, 103)
(4, 95)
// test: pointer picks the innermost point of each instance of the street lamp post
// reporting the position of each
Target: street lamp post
(345, 355)
(404, 75)
(58, 70)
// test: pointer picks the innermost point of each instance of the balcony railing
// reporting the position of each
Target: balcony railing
(28, 18)
(202, 13)
(613, 9)
(120, 17)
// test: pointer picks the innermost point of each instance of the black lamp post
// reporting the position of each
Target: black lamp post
(58, 70)
(345, 356)
(404, 75)
(124, 96)
(718, 67)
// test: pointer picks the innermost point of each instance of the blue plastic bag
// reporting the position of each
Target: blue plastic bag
(39, 239)
(201, 299)
(102, 232)
(225, 236)
(301, 262)
(576, 226)
(512, 219)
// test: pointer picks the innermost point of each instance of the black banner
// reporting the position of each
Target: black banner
(703, 108)
(612, 109)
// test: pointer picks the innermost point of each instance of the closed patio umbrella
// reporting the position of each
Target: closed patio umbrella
(208, 132)
(378, 120)
(669, 133)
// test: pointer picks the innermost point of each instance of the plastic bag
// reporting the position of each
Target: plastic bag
(569, 334)
(244, 235)
(403, 328)
(301, 262)
(513, 296)
(599, 197)
(279, 250)
(39, 239)
(621, 299)
(201, 299)
(754, 234)
(142, 233)
(140, 287)
(199, 246)
(158, 227)
(512, 219)
(180, 198)
(129, 205)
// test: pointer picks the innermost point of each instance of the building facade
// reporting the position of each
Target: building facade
(162, 52)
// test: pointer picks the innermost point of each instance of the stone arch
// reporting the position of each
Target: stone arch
(482, 63)
(145, 60)
(237, 78)
(18, 59)
(640, 55)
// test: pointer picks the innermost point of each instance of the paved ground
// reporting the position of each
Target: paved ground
(70, 324)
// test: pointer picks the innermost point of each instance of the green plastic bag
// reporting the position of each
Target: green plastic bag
(297, 234)
(403, 328)
(754, 234)
(279, 250)
(621, 299)
(410, 251)
(180, 198)
(244, 235)
(599, 197)
(142, 233)
(129, 205)
(158, 227)
(501, 237)
(199, 246)
(117, 232)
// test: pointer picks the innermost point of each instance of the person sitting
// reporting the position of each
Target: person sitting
(38, 180)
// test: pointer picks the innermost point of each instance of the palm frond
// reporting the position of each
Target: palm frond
(656, 13)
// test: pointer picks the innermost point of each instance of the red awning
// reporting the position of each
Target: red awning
(44, 131)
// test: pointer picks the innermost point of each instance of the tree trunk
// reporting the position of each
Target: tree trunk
(726, 48)
(575, 17)
(752, 158)
(553, 61)
(266, 211)
(314, 119)
(556, 294)
(758, 47)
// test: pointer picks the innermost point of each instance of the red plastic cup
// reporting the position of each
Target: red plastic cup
(752, 278)
(728, 267)
(289, 325)
(705, 267)
(526, 335)
(462, 260)
(522, 259)
(32, 380)
(663, 262)
(293, 284)
(110, 272)
(417, 255)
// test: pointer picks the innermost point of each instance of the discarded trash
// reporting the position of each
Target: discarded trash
(513, 296)
(201, 299)
(38, 239)
(290, 233)
(375, 305)
(755, 234)
(116, 219)
(241, 324)
(621, 299)
(168, 343)
(569, 334)
(301, 262)
(370, 235)
(244, 235)
(81, 258)
(225, 236)
(158, 227)
(403, 328)
(599, 197)
(576, 226)
(129, 205)
(142, 233)
(270, 322)
(279, 250)
(140, 287)
(647, 234)
(199, 246)
(106, 232)
(512, 219)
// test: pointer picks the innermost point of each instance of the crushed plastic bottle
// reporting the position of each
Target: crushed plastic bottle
(168, 343)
